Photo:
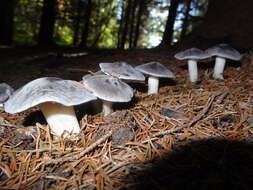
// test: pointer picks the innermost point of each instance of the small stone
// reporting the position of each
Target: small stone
(121, 135)
(170, 113)
(121, 124)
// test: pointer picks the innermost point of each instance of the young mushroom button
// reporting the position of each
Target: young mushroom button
(55, 97)
(192, 55)
(154, 71)
(122, 70)
(222, 52)
(108, 89)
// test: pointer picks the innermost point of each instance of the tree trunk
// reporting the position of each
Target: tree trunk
(6, 21)
(141, 8)
(86, 26)
(226, 21)
(131, 32)
(126, 23)
(47, 22)
(105, 21)
(186, 19)
(77, 22)
(121, 25)
(169, 28)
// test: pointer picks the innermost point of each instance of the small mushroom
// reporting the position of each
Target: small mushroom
(222, 52)
(108, 89)
(5, 93)
(122, 70)
(55, 97)
(192, 55)
(154, 70)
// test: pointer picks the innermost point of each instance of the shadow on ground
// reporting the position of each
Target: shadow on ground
(206, 165)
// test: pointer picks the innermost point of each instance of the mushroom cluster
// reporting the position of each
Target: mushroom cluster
(220, 51)
(127, 73)
(56, 97)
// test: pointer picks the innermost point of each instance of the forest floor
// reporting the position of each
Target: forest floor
(189, 136)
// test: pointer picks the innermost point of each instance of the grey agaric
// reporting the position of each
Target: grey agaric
(109, 89)
(192, 55)
(55, 97)
(154, 71)
(222, 52)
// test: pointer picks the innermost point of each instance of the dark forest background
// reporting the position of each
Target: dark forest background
(125, 24)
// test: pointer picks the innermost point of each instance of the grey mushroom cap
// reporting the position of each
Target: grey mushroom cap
(5, 92)
(122, 70)
(225, 51)
(47, 89)
(155, 69)
(192, 53)
(109, 88)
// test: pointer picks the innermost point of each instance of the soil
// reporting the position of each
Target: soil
(122, 125)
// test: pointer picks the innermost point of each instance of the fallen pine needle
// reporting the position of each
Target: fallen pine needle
(55, 177)
(81, 154)
(11, 126)
(195, 119)
(5, 169)
(117, 167)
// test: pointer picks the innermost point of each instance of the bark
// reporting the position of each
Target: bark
(126, 24)
(186, 19)
(141, 8)
(77, 23)
(47, 22)
(132, 24)
(86, 27)
(168, 33)
(121, 25)
(226, 21)
(6, 21)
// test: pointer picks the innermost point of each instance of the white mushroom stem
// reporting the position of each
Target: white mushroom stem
(107, 108)
(193, 70)
(153, 85)
(219, 68)
(60, 118)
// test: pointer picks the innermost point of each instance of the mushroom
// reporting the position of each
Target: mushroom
(192, 55)
(109, 89)
(154, 70)
(122, 70)
(5, 93)
(222, 52)
(55, 97)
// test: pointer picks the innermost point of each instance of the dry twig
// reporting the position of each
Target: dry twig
(81, 154)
